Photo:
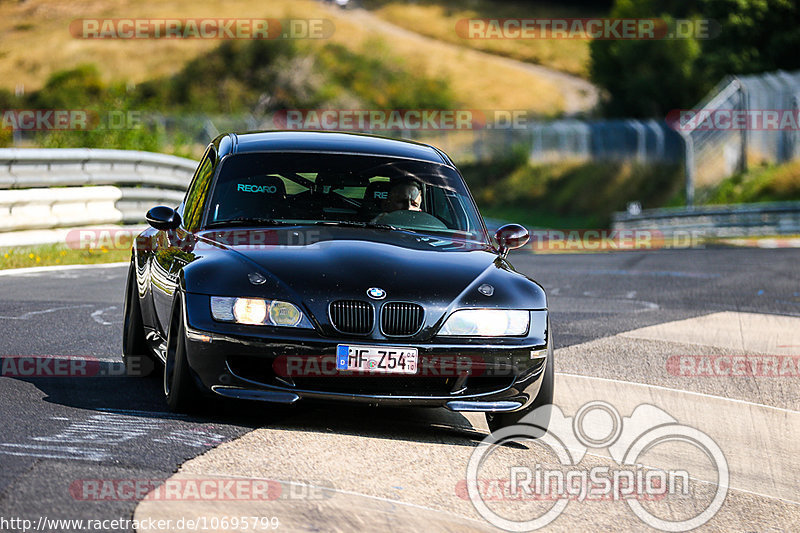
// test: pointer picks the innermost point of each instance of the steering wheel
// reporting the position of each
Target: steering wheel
(411, 219)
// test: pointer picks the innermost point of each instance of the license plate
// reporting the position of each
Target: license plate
(382, 359)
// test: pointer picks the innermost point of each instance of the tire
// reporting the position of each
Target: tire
(180, 389)
(138, 359)
(543, 400)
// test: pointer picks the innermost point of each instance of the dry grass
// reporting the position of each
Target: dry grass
(439, 22)
(786, 180)
(35, 42)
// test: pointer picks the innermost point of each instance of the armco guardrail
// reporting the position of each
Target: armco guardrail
(58, 188)
(778, 218)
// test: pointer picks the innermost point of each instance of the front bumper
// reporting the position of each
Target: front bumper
(283, 365)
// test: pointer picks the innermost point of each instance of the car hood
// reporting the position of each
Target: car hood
(437, 273)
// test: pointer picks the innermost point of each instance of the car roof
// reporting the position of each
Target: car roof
(328, 141)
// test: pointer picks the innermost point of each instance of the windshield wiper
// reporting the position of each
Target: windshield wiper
(249, 221)
(353, 224)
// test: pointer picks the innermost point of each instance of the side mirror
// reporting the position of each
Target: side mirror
(510, 237)
(163, 217)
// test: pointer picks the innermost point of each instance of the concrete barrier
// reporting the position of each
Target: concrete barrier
(26, 209)
(52, 189)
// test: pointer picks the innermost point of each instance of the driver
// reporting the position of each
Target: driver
(404, 195)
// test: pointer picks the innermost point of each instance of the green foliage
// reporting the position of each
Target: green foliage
(254, 77)
(485, 174)
(259, 76)
(648, 78)
(70, 89)
(589, 191)
(106, 111)
(382, 81)
(229, 79)
(146, 137)
(7, 101)
(772, 183)
(756, 36)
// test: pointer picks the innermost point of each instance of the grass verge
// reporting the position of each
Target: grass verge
(769, 183)
(438, 20)
(534, 218)
(58, 254)
(568, 194)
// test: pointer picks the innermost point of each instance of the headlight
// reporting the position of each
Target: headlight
(257, 311)
(249, 310)
(486, 323)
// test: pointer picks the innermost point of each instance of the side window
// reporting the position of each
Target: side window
(198, 193)
(442, 207)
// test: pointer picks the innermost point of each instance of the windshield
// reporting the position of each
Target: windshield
(338, 189)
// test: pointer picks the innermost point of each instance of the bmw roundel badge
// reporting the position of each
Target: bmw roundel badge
(376, 293)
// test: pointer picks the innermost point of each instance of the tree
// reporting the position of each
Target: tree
(649, 78)
(756, 36)
(646, 78)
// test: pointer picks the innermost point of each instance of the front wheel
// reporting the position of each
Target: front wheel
(180, 390)
(542, 404)
(136, 355)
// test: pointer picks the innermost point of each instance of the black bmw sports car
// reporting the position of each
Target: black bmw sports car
(336, 267)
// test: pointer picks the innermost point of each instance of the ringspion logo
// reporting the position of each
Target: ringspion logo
(596, 425)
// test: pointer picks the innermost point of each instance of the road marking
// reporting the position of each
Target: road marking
(157, 414)
(344, 510)
(93, 438)
(55, 452)
(29, 314)
(97, 316)
(196, 438)
(362, 495)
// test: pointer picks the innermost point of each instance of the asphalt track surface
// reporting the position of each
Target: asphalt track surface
(400, 468)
